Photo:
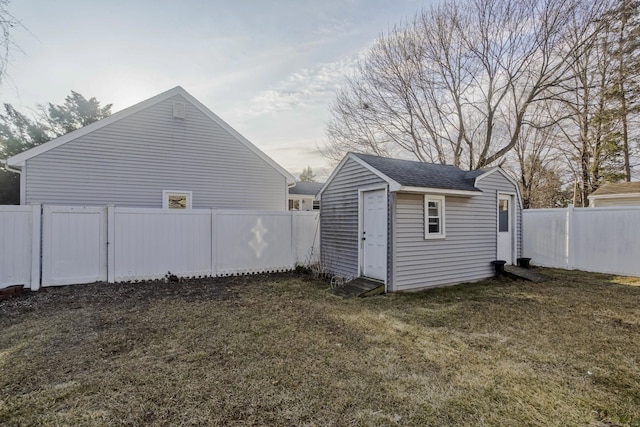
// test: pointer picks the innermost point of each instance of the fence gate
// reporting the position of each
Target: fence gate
(74, 245)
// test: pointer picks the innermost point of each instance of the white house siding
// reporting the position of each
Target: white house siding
(466, 252)
(339, 218)
(131, 161)
(617, 201)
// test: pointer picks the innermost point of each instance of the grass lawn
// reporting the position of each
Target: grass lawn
(281, 350)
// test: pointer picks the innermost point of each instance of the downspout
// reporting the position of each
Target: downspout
(19, 172)
(286, 196)
(9, 168)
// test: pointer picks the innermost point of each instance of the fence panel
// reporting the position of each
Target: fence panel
(307, 237)
(17, 226)
(253, 242)
(149, 243)
(90, 244)
(74, 245)
(545, 236)
(605, 240)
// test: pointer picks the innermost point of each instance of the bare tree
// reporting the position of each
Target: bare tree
(592, 129)
(7, 24)
(440, 87)
(538, 162)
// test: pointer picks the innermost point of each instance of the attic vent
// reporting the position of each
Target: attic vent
(178, 110)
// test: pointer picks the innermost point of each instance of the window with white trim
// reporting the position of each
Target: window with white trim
(176, 199)
(434, 226)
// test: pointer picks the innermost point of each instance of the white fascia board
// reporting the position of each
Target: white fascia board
(444, 191)
(613, 196)
(504, 174)
(487, 173)
(291, 180)
(392, 183)
(19, 159)
(331, 177)
(361, 162)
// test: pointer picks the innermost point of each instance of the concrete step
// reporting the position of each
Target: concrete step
(360, 287)
(524, 273)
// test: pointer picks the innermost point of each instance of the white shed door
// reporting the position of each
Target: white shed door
(505, 228)
(374, 234)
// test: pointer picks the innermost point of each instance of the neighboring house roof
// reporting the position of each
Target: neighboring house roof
(19, 160)
(619, 189)
(306, 188)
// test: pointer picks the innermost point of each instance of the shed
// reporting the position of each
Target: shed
(169, 151)
(616, 194)
(416, 225)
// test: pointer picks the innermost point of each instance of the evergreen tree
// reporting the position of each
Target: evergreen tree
(307, 175)
(624, 32)
(19, 133)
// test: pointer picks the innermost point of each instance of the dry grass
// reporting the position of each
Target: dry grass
(281, 350)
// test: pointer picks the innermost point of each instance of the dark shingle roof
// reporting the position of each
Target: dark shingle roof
(307, 188)
(417, 174)
(617, 188)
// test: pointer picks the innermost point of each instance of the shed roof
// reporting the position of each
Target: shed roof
(306, 188)
(409, 173)
(618, 188)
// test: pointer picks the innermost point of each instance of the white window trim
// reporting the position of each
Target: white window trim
(294, 199)
(440, 199)
(167, 193)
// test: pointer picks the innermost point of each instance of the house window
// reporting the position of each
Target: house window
(176, 199)
(294, 205)
(434, 227)
(316, 205)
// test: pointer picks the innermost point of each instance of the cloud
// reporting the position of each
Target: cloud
(308, 86)
(333, 28)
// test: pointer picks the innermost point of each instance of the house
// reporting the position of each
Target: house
(302, 197)
(169, 151)
(416, 225)
(616, 194)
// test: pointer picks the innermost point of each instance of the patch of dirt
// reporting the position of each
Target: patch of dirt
(129, 295)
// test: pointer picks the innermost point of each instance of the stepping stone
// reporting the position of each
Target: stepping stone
(524, 273)
(360, 287)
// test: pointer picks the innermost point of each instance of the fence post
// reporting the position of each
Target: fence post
(294, 239)
(36, 239)
(111, 243)
(214, 225)
(570, 238)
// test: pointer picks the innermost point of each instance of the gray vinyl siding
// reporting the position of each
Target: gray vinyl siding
(494, 184)
(339, 218)
(466, 252)
(131, 161)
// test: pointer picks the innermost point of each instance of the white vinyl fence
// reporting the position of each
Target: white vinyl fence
(74, 245)
(19, 246)
(89, 244)
(605, 240)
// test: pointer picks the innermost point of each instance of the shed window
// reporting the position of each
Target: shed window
(176, 199)
(434, 226)
(503, 215)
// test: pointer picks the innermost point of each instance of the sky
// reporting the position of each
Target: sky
(269, 68)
